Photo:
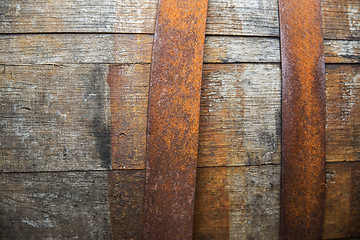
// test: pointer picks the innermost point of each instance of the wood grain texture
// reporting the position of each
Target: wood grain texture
(342, 202)
(237, 203)
(342, 51)
(58, 205)
(240, 115)
(238, 17)
(245, 17)
(54, 118)
(239, 123)
(129, 87)
(343, 113)
(126, 195)
(75, 48)
(136, 48)
(341, 19)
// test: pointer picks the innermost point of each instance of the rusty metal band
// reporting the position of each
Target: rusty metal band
(173, 119)
(303, 119)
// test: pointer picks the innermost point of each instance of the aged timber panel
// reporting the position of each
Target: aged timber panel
(240, 115)
(238, 17)
(341, 19)
(54, 118)
(343, 113)
(136, 48)
(237, 203)
(342, 204)
(75, 48)
(54, 205)
(126, 195)
(129, 86)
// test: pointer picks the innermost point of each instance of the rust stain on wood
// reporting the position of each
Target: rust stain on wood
(126, 192)
(128, 98)
(342, 202)
(303, 119)
(173, 119)
(342, 113)
(212, 206)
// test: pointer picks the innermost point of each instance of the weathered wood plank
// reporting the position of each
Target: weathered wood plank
(126, 195)
(342, 202)
(238, 17)
(129, 87)
(239, 123)
(342, 51)
(343, 113)
(237, 203)
(226, 49)
(136, 48)
(341, 19)
(75, 48)
(240, 115)
(54, 118)
(58, 205)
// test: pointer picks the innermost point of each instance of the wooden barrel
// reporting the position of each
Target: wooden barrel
(70, 70)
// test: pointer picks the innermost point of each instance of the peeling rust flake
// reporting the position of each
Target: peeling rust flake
(173, 119)
(303, 119)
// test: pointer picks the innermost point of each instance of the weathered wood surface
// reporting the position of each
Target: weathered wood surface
(341, 19)
(129, 87)
(136, 48)
(46, 130)
(126, 195)
(75, 48)
(342, 51)
(343, 113)
(240, 115)
(54, 118)
(57, 205)
(237, 203)
(342, 204)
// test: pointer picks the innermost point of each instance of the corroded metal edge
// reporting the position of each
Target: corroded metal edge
(173, 119)
(303, 119)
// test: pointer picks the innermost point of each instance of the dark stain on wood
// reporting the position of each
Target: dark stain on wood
(101, 130)
(54, 205)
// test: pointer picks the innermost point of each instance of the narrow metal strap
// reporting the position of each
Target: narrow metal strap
(173, 119)
(303, 119)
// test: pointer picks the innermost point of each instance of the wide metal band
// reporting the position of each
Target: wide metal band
(173, 119)
(303, 119)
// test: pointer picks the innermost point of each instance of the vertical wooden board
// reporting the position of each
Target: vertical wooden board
(341, 19)
(238, 203)
(54, 118)
(239, 119)
(343, 113)
(126, 193)
(58, 205)
(129, 86)
(342, 201)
